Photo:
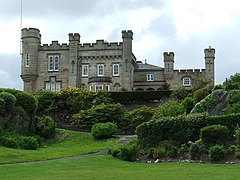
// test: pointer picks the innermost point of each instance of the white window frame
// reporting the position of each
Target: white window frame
(150, 77)
(85, 70)
(115, 69)
(186, 81)
(27, 60)
(107, 87)
(100, 69)
(53, 63)
(53, 86)
(97, 87)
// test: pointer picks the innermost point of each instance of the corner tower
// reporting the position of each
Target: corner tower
(31, 40)
(128, 67)
(209, 64)
(168, 64)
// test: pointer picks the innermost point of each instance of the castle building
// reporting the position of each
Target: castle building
(101, 66)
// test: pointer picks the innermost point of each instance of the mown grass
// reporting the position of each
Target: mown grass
(106, 167)
(67, 143)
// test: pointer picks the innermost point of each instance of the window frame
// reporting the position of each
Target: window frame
(186, 81)
(150, 77)
(87, 70)
(98, 85)
(53, 63)
(107, 87)
(27, 60)
(113, 69)
(53, 86)
(100, 70)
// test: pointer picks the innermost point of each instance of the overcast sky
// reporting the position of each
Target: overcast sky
(185, 27)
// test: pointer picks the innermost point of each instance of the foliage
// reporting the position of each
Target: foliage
(182, 129)
(17, 141)
(233, 100)
(233, 82)
(217, 152)
(218, 86)
(140, 115)
(200, 94)
(180, 93)
(2, 106)
(205, 104)
(103, 130)
(172, 151)
(237, 135)
(196, 149)
(129, 150)
(9, 99)
(102, 113)
(45, 127)
(46, 101)
(200, 83)
(159, 152)
(188, 104)
(170, 108)
(214, 134)
(116, 150)
(136, 96)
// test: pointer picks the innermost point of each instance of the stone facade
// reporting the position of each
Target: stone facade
(100, 66)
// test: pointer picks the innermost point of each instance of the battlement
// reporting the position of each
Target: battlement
(168, 56)
(101, 44)
(209, 52)
(31, 33)
(189, 71)
(54, 46)
(74, 37)
(127, 34)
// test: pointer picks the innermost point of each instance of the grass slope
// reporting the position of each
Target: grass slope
(67, 143)
(106, 167)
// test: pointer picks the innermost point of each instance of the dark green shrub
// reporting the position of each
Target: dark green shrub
(140, 115)
(45, 126)
(9, 141)
(196, 150)
(180, 93)
(2, 106)
(214, 134)
(188, 104)
(103, 130)
(116, 151)
(9, 99)
(218, 86)
(217, 153)
(102, 113)
(232, 109)
(46, 101)
(28, 142)
(232, 149)
(170, 108)
(129, 150)
(183, 149)
(200, 94)
(172, 151)
(237, 135)
(159, 152)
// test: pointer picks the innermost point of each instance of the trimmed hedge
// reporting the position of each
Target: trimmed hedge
(132, 96)
(182, 129)
(103, 130)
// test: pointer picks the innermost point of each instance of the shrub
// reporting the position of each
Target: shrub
(28, 142)
(188, 104)
(2, 106)
(217, 153)
(170, 108)
(196, 150)
(214, 134)
(232, 149)
(180, 93)
(102, 113)
(140, 115)
(237, 135)
(116, 150)
(200, 94)
(9, 99)
(45, 127)
(103, 130)
(129, 150)
(218, 86)
(172, 151)
(159, 152)
(9, 141)
(183, 149)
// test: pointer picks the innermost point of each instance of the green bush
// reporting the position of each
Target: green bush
(214, 134)
(172, 151)
(140, 115)
(129, 150)
(28, 142)
(102, 113)
(188, 104)
(205, 104)
(116, 150)
(9, 99)
(180, 93)
(237, 135)
(232, 109)
(196, 150)
(217, 153)
(183, 149)
(200, 94)
(2, 106)
(159, 152)
(45, 126)
(9, 141)
(170, 108)
(103, 130)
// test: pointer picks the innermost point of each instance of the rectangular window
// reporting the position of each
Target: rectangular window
(107, 88)
(53, 63)
(98, 87)
(115, 69)
(27, 60)
(53, 86)
(100, 69)
(186, 82)
(150, 77)
(85, 70)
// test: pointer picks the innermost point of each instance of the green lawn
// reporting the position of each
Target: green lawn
(106, 167)
(68, 143)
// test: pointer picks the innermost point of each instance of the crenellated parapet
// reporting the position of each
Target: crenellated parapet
(74, 37)
(168, 56)
(31, 33)
(101, 45)
(54, 46)
(127, 34)
(190, 71)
